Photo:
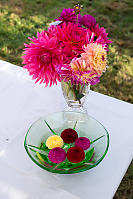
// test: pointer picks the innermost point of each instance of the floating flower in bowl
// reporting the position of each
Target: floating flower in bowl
(68, 150)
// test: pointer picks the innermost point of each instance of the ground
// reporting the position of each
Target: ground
(22, 18)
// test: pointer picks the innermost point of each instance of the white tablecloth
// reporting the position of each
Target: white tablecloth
(21, 103)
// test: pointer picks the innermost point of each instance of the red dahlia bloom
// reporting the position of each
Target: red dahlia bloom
(69, 135)
(75, 154)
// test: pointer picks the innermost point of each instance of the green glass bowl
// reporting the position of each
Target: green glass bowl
(86, 127)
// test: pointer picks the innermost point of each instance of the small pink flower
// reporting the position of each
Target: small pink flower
(69, 15)
(88, 21)
(83, 143)
(57, 155)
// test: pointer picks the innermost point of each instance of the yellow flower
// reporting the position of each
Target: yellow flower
(95, 57)
(54, 141)
(78, 64)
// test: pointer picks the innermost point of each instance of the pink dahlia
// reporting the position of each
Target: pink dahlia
(72, 39)
(88, 21)
(57, 155)
(69, 15)
(83, 143)
(42, 55)
(99, 35)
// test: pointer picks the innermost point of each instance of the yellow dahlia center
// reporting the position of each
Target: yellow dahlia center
(78, 65)
(84, 77)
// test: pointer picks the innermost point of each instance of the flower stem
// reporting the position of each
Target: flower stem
(50, 128)
(34, 146)
(41, 151)
(79, 92)
(75, 89)
(77, 18)
(97, 139)
(75, 125)
(74, 93)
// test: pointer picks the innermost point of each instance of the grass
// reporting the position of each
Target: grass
(22, 18)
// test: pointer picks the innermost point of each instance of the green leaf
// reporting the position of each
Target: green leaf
(97, 139)
(70, 165)
(34, 147)
(62, 165)
(89, 155)
(42, 157)
(75, 125)
(44, 147)
(32, 150)
(40, 150)
(50, 128)
(79, 96)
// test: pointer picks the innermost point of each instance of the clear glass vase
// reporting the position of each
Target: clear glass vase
(75, 95)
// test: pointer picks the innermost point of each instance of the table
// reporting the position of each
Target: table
(21, 103)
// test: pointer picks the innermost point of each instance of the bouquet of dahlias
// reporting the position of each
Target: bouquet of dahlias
(73, 49)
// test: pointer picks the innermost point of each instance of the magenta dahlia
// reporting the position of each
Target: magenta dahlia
(41, 56)
(75, 154)
(69, 15)
(57, 155)
(72, 39)
(99, 35)
(69, 135)
(88, 21)
(83, 143)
